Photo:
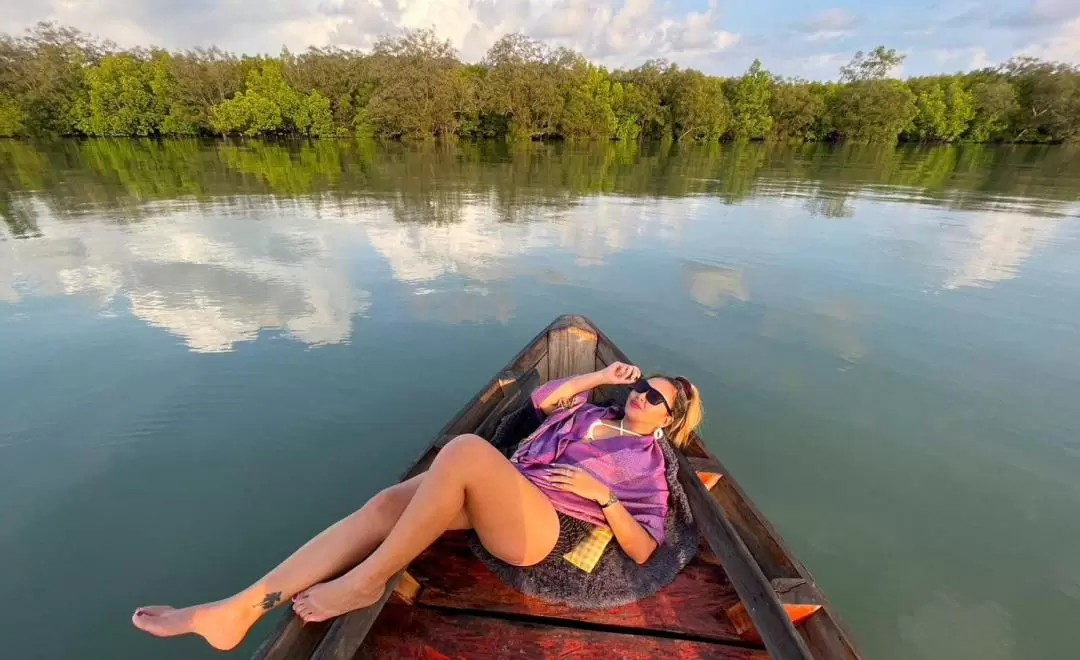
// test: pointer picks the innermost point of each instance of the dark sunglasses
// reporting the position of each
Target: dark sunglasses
(652, 395)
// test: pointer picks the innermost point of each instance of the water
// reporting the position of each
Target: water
(212, 351)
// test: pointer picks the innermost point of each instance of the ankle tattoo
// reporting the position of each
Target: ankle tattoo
(270, 600)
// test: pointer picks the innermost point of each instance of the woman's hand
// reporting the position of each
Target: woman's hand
(620, 373)
(579, 482)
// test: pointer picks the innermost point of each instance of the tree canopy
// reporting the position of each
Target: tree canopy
(58, 81)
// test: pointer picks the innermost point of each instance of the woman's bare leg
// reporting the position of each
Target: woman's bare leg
(336, 549)
(513, 518)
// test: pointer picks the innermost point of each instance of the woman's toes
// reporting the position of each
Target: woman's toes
(161, 620)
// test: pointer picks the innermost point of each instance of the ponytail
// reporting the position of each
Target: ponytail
(687, 413)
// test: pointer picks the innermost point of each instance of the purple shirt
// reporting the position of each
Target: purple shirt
(631, 466)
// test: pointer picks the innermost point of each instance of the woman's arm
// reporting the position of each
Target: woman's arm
(615, 373)
(635, 541)
(633, 538)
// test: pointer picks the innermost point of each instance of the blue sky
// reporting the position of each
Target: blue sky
(811, 39)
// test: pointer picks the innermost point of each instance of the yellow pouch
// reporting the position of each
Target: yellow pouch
(586, 554)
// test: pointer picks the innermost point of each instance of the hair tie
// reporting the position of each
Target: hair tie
(687, 388)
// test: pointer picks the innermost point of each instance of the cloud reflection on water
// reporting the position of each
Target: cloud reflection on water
(215, 269)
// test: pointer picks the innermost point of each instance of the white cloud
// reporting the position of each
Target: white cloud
(832, 24)
(949, 59)
(979, 59)
(1063, 45)
(612, 31)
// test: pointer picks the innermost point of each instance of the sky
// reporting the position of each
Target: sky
(808, 38)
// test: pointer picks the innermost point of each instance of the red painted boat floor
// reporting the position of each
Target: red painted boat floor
(463, 608)
(420, 633)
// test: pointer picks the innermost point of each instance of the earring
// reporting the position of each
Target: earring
(658, 434)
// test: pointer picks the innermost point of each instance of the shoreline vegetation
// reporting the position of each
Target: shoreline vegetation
(58, 81)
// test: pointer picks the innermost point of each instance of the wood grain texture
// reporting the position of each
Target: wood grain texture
(348, 632)
(515, 395)
(478, 409)
(407, 589)
(745, 627)
(425, 634)
(780, 637)
(824, 634)
(291, 639)
(694, 604)
(571, 351)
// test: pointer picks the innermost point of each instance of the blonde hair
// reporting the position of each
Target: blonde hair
(687, 412)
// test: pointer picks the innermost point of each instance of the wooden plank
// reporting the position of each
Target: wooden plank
(476, 411)
(542, 369)
(770, 555)
(347, 632)
(779, 636)
(606, 353)
(529, 356)
(516, 395)
(710, 465)
(708, 470)
(571, 351)
(291, 639)
(507, 380)
(407, 589)
(420, 633)
(824, 637)
(745, 627)
(694, 604)
(824, 634)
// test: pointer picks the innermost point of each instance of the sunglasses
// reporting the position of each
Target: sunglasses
(652, 395)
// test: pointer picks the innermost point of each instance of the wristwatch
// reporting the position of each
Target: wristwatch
(613, 500)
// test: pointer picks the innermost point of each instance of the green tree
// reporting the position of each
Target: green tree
(55, 80)
(314, 116)
(415, 96)
(43, 73)
(246, 114)
(199, 80)
(12, 119)
(797, 108)
(587, 99)
(750, 104)
(994, 103)
(699, 110)
(875, 65)
(119, 98)
(872, 110)
(1048, 100)
(522, 88)
(944, 110)
(648, 90)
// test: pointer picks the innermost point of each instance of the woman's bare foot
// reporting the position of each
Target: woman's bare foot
(329, 599)
(222, 624)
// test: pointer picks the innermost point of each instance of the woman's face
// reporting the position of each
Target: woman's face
(640, 411)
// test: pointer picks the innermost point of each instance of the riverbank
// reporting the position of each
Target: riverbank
(63, 82)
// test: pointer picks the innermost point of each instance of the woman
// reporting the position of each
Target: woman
(584, 463)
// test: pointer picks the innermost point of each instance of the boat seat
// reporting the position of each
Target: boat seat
(615, 579)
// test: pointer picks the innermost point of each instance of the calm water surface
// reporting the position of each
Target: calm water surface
(212, 351)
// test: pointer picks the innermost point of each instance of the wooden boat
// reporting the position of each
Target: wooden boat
(744, 596)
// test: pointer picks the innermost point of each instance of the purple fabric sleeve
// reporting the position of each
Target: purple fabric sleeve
(544, 391)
